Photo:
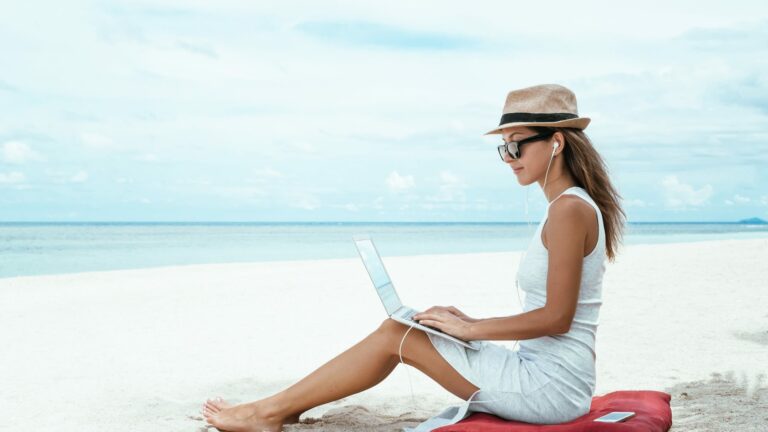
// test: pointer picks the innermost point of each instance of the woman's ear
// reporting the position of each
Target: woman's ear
(559, 141)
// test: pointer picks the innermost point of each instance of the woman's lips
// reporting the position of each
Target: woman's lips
(517, 170)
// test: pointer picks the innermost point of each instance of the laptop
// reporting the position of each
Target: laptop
(386, 291)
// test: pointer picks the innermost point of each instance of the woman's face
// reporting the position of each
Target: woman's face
(534, 156)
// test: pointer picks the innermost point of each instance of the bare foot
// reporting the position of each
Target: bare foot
(213, 406)
(249, 417)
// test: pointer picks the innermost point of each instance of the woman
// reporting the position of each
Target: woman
(551, 378)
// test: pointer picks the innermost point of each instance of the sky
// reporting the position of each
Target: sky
(370, 111)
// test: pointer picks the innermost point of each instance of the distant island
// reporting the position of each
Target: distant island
(754, 220)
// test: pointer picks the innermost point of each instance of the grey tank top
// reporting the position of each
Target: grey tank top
(574, 350)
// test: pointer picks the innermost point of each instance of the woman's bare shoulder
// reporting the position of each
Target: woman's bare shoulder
(569, 217)
(572, 205)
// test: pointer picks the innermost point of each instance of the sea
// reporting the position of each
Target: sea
(42, 248)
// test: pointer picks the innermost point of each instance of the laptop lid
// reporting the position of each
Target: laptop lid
(381, 281)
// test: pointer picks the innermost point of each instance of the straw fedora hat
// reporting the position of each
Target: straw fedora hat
(541, 105)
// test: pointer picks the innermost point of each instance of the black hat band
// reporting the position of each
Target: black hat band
(520, 117)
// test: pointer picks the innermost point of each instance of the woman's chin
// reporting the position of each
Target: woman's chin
(523, 181)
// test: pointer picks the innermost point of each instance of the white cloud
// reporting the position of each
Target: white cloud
(97, 141)
(264, 174)
(307, 203)
(481, 206)
(678, 194)
(196, 181)
(17, 152)
(741, 199)
(147, 157)
(239, 193)
(268, 172)
(737, 199)
(452, 188)
(634, 203)
(306, 199)
(399, 183)
(63, 177)
(12, 177)
(79, 177)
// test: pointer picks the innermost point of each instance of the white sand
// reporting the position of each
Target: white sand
(140, 350)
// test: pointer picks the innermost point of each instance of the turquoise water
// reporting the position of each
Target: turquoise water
(48, 248)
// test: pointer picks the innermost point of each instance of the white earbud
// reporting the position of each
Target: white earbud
(555, 145)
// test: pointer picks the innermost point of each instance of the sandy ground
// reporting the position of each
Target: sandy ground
(140, 350)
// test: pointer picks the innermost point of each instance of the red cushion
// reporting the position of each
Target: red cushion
(652, 414)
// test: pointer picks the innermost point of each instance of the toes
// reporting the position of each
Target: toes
(211, 406)
(213, 419)
(208, 414)
(210, 420)
(219, 403)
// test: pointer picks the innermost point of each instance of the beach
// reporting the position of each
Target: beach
(140, 350)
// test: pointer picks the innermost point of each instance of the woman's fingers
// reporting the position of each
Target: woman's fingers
(457, 312)
(432, 323)
(434, 316)
(424, 315)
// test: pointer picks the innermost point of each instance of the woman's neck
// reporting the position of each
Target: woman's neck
(554, 190)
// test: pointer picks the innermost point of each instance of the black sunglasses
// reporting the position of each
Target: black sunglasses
(512, 148)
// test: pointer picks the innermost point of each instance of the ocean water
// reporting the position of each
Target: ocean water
(38, 248)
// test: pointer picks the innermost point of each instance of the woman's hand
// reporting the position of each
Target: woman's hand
(447, 319)
(452, 310)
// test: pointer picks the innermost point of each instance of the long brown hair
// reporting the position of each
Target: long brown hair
(590, 172)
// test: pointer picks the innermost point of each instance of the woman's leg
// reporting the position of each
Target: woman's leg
(358, 368)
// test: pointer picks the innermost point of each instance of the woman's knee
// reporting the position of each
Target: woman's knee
(391, 326)
(393, 332)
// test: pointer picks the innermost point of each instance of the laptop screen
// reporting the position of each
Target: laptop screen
(378, 275)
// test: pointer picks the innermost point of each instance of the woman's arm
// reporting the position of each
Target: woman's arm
(528, 325)
(566, 232)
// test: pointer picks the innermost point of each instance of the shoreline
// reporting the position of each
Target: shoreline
(301, 260)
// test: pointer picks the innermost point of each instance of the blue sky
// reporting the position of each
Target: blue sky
(370, 111)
